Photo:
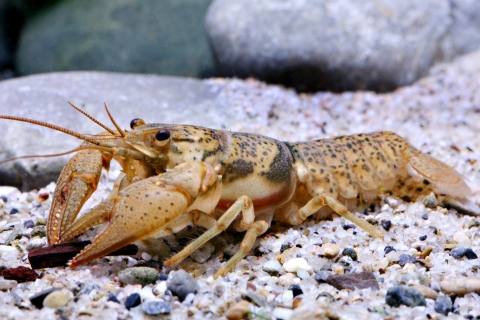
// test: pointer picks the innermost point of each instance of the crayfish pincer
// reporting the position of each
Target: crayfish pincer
(178, 175)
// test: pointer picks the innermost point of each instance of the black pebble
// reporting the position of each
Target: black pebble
(132, 301)
(422, 238)
(13, 211)
(163, 277)
(37, 299)
(388, 249)
(387, 225)
(350, 252)
(296, 290)
(399, 295)
(470, 254)
(286, 246)
(112, 297)
(348, 226)
(425, 216)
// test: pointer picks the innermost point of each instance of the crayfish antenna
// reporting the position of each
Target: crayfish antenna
(92, 118)
(42, 156)
(122, 133)
(54, 127)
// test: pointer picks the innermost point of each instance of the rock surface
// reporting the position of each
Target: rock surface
(137, 36)
(341, 45)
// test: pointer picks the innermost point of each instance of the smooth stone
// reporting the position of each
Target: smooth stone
(238, 310)
(460, 237)
(360, 280)
(138, 275)
(6, 285)
(330, 250)
(296, 264)
(156, 307)
(458, 252)
(470, 254)
(460, 285)
(180, 283)
(130, 36)
(443, 304)
(427, 292)
(133, 300)
(406, 258)
(272, 267)
(320, 45)
(430, 201)
(57, 299)
(38, 298)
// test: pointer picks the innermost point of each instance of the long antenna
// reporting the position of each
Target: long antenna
(54, 127)
(122, 133)
(92, 118)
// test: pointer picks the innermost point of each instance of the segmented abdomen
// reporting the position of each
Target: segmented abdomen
(348, 165)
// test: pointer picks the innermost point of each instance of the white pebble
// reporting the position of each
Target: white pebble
(296, 264)
(282, 313)
(272, 266)
(287, 296)
(461, 237)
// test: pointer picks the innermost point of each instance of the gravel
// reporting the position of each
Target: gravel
(439, 115)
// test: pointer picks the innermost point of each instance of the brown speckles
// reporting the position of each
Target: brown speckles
(237, 169)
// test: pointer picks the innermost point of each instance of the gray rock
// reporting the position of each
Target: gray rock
(156, 307)
(458, 252)
(39, 231)
(272, 267)
(137, 36)
(443, 304)
(406, 258)
(463, 34)
(340, 45)
(138, 275)
(360, 280)
(181, 283)
(399, 295)
(430, 201)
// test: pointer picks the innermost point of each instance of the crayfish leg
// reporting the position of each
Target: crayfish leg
(294, 215)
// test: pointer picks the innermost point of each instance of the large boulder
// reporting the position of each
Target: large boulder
(339, 45)
(135, 36)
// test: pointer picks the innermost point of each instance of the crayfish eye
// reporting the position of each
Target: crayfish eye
(136, 122)
(161, 137)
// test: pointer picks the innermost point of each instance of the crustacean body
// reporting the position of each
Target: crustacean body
(178, 175)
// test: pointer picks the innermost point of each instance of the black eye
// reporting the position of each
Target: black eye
(136, 122)
(162, 135)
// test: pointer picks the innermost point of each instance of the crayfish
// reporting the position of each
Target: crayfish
(178, 175)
